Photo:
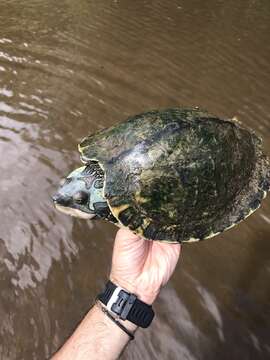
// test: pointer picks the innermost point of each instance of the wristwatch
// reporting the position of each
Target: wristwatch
(126, 306)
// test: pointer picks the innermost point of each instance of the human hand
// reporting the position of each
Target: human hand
(141, 266)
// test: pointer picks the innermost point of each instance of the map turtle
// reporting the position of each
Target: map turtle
(174, 175)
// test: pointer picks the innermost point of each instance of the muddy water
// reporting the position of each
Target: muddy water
(68, 68)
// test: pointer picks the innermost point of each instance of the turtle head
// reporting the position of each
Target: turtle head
(81, 193)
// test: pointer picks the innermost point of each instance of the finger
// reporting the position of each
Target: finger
(174, 248)
(173, 252)
(130, 244)
(126, 237)
(125, 233)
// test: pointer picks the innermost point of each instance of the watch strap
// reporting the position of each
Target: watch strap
(125, 305)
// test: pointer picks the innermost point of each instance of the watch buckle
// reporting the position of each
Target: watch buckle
(121, 302)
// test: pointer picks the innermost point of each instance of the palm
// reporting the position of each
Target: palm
(142, 266)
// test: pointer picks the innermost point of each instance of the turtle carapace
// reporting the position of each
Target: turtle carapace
(175, 175)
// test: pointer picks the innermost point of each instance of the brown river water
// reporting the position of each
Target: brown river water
(69, 68)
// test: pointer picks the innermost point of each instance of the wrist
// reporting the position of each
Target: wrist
(144, 293)
(125, 305)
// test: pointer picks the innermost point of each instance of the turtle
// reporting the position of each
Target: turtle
(176, 175)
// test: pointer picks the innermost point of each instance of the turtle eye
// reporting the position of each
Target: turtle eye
(65, 181)
(80, 197)
(62, 182)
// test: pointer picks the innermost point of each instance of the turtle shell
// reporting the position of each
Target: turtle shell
(179, 175)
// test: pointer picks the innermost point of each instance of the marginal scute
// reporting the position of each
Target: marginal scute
(128, 218)
(265, 184)
(179, 175)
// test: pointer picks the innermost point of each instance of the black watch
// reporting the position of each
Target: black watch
(126, 306)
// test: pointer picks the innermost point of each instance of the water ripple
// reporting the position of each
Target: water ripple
(70, 68)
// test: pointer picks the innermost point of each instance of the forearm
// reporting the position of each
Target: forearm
(140, 268)
(96, 338)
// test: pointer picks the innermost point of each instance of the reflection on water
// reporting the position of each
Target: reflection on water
(70, 68)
